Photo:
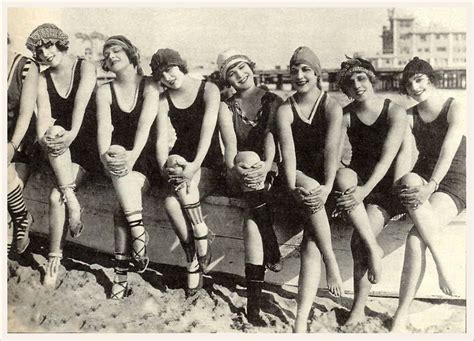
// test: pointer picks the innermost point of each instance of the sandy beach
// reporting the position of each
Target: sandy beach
(157, 303)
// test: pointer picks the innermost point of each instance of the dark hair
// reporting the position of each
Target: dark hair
(60, 46)
(416, 66)
(345, 83)
(131, 51)
(156, 76)
(250, 64)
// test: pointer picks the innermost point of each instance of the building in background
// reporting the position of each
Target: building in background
(404, 39)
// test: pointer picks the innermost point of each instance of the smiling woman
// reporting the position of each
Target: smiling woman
(308, 126)
(192, 107)
(375, 127)
(64, 98)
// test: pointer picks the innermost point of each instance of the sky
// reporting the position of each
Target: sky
(268, 35)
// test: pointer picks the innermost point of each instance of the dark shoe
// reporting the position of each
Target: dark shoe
(205, 260)
(256, 320)
(275, 267)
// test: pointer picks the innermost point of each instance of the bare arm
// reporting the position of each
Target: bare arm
(331, 148)
(269, 143)
(226, 128)
(28, 96)
(284, 119)
(344, 125)
(404, 159)
(83, 95)
(212, 101)
(451, 141)
(44, 108)
(104, 120)
(162, 132)
(397, 126)
(147, 117)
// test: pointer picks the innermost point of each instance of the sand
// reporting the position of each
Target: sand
(157, 303)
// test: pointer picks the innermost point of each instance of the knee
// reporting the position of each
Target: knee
(248, 158)
(345, 178)
(175, 161)
(411, 179)
(54, 131)
(305, 181)
(55, 197)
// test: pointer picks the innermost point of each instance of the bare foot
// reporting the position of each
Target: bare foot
(355, 317)
(399, 324)
(333, 278)
(445, 285)
(374, 273)
(300, 326)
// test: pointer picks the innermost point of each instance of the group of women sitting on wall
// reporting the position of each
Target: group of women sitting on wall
(168, 124)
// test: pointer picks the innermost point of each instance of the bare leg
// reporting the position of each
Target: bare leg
(190, 202)
(129, 190)
(57, 228)
(308, 282)
(414, 267)
(184, 232)
(378, 217)
(429, 219)
(345, 179)
(122, 259)
(319, 227)
(65, 177)
(426, 233)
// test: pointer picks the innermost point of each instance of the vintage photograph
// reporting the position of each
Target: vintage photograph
(232, 169)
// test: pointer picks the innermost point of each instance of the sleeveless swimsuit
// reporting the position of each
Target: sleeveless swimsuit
(84, 147)
(187, 124)
(28, 148)
(125, 126)
(429, 138)
(310, 139)
(367, 144)
(251, 134)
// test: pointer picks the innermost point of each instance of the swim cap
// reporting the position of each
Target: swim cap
(229, 58)
(304, 55)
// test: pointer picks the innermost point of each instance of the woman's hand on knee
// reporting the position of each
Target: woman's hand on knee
(414, 196)
(350, 198)
(309, 198)
(116, 162)
(53, 143)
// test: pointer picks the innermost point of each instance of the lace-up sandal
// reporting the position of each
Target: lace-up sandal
(73, 208)
(189, 292)
(119, 290)
(205, 260)
(141, 261)
(52, 269)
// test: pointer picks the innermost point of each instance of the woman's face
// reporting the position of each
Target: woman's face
(240, 76)
(116, 58)
(419, 87)
(303, 78)
(359, 87)
(172, 77)
(49, 55)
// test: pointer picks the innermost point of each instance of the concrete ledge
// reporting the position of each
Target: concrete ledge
(224, 216)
